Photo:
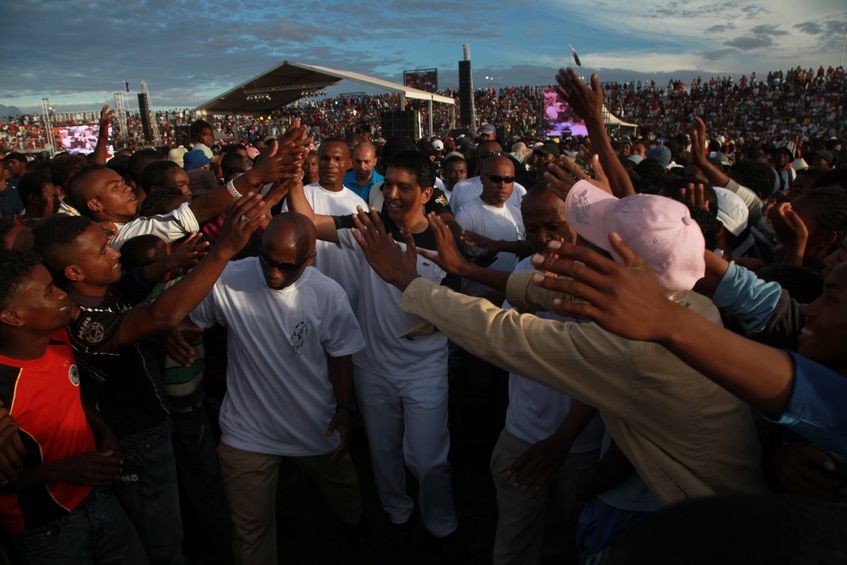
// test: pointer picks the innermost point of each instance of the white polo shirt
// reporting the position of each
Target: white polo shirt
(466, 190)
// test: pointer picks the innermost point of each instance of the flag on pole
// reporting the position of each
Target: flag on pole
(126, 83)
(575, 57)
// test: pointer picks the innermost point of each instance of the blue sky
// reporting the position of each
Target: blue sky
(79, 52)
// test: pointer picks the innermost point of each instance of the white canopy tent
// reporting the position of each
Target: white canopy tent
(290, 81)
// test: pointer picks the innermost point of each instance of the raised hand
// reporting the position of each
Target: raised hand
(395, 266)
(623, 299)
(698, 140)
(694, 195)
(586, 102)
(244, 218)
(448, 257)
(790, 231)
(187, 254)
(175, 343)
(487, 245)
(560, 181)
(106, 116)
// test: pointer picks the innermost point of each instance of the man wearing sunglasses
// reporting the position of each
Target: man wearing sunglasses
(290, 336)
(494, 216)
(466, 190)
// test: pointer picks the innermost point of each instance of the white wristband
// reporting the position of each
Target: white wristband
(230, 187)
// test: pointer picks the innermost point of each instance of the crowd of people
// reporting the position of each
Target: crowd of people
(644, 333)
(780, 108)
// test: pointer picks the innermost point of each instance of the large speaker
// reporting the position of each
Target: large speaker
(465, 93)
(399, 122)
(144, 110)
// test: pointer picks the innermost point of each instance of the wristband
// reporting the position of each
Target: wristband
(230, 187)
(346, 405)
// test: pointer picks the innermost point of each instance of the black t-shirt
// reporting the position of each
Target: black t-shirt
(123, 382)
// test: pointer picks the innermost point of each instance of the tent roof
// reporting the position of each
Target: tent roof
(612, 120)
(290, 81)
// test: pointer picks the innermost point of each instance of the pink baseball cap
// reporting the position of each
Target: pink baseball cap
(659, 229)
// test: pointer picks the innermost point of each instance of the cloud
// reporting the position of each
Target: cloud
(720, 28)
(812, 28)
(767, 30)
(748, 43)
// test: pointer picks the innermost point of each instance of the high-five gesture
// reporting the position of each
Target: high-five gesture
(395, 266)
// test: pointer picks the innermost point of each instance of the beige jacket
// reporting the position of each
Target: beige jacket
(686, 436)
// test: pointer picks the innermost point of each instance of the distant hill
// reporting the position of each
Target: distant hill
(9, 110)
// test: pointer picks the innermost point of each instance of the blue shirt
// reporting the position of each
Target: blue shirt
(815, 410)
(10, 201)
(747, 297)
(363, 191)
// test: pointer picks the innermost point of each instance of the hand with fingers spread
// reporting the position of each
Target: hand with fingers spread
(561, 181)
(694, 195)
(448, 257)
(244, 218)
(698, 141)
(106, 116)
(176, 343)
(791, 232)
(92, 468)
(188, 254)
(625, 299)
(487, 245)
(586, 102)
(395, 266)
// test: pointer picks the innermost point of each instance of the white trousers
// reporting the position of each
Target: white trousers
(406, 423)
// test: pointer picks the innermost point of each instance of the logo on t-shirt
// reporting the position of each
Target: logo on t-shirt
(90, 331)
(73, 375)
(298, 336)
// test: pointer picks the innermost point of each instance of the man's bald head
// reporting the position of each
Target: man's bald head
(289, 234)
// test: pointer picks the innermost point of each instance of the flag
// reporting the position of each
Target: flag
(126, 84)
(575, 57)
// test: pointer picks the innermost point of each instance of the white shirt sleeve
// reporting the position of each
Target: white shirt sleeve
(207, 313)
(169, 227)
(341, 334)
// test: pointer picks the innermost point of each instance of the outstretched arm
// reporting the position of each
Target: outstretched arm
(177, 302)
(588, 104)
(627, 300)
(297, 202)
(101, 150)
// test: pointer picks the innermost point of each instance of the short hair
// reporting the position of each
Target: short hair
(334, 139)
(65, 166)
(454, 159)
(58, 232)
(802, 283)
(32, 185)
(232, 148)
(832, 207)
(156, 174)
(672, 183)
(197, 127)
(159, 202)
(233, 163)
(835, 177)
(14, 268)
(416, 163)
(74, 190)
(139, 161)
(397, 144)
(755, 175)
(134, 251)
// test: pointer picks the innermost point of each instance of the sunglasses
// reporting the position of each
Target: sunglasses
(498, 179)
(284, 267)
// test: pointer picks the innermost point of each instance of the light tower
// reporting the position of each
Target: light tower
(46, 111)
(120, 114)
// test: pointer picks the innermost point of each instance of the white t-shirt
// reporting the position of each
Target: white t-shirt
(466, 190)
(389, 354)
(535, 411)
(279, 398)
(495, 223)
(341, 265)
(169, 227)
